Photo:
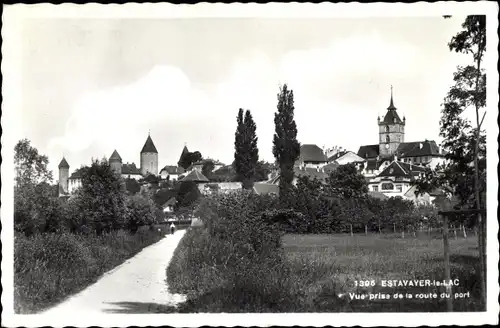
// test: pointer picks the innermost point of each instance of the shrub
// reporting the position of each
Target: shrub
(140, 211)
(232, 259)
(50, 267)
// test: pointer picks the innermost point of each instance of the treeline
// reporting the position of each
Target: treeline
(100, 205)
(67, 243)
(342, 205)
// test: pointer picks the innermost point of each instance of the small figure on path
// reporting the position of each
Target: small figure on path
(172, 228)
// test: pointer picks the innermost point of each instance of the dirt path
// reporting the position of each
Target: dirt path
(136, 286)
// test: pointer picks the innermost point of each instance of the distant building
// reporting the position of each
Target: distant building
(149, 165)
(392, 145)
(75, 181)
(149, 158)
(346, 157)
(311, 156)
(63, 177)
(395, 179)
(263, 188)
(171, 172)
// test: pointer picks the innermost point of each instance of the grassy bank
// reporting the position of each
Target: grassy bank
(313, 270)
(50, 267)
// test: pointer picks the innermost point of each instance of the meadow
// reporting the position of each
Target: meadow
(328, 265)
(320, 270)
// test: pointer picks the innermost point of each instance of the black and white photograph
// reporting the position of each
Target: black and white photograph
(251, 165)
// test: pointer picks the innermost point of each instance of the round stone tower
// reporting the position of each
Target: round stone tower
(63, 175)
(115, 161)
(149, 158)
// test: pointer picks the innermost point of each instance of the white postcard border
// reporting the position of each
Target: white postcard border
(11, 122)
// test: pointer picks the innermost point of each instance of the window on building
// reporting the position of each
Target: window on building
(387, 139)
(387, 186)
(375, 188)
(399, 188)
(387, 128)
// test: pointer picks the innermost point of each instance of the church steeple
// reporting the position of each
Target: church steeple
(391, 105)
(391, 130)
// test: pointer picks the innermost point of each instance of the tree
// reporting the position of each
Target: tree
(207, 168)
(188, 194)
(286, 148)
(465, 173)
(246, 154)
(35, 207)
(31, 167)
(101, 198)
(188, 158)
(140, 211)
(132, 186)
(347, 182)
(262, 171)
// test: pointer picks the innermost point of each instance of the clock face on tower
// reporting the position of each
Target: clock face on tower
(387, 146)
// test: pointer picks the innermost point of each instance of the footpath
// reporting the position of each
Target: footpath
(136, 286)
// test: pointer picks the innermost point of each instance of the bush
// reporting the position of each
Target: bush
(50, 267)
(140, 211)
(230, 261)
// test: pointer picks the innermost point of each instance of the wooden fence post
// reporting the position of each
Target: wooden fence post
(449, 300)
(482, 256)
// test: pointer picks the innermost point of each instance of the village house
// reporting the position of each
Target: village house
(395, 180)
(171, 172)
(311, 156)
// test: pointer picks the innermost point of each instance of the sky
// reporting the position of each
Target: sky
(90, 86)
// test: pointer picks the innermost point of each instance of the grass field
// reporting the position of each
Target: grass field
(319, 272)
(328, 265)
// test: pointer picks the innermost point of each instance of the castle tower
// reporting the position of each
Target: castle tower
(115, 161)
(63, 176)
(391, 131)
(149, 158)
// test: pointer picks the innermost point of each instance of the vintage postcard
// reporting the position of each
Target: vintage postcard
(250, 164)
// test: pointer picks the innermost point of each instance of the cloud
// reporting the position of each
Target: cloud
(326, 83)
(114, 118)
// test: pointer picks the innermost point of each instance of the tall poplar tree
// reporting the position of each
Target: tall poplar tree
(238, 146)
(251, 152)
(246, 153)
(286, 148)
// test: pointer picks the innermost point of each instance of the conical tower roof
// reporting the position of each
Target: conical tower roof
(149, 146)
(63, 164)
(184, 152)
(115, 156)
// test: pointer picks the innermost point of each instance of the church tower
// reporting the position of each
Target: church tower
(115, 161)
(149, 158)
(63, 176)
(391, 131)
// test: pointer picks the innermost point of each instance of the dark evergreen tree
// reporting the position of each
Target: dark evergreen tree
(286, 148)
(238, 146)
(246, 153)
